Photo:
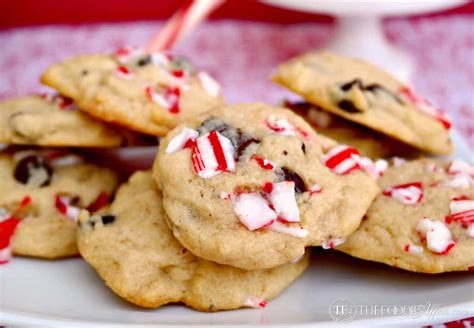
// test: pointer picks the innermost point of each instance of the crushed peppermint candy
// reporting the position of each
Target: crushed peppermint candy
(282, 197)
(413, 249)
(62, 102)
(185, 138)
(253, 210)
(408, 193)
(168, 97)
(209, 84)
(212, 154)
(331, 243)
(461, 210)
(283, 127)
(460, 167)
(432, 167)
(437, 235)
(264, 163)
(342, 159)
(123, 73)
(225, 195)
(126, 54)
(255, 302)
(424, 105)
(458, 181)
(63, 205)
(315, 189)
(470, 231)
(374, 169)
(298, 232)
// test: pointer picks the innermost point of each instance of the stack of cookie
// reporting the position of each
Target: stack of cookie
(237, 193)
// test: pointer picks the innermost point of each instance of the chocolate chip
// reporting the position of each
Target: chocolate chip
(84, 72)
(303, 148)
(285, 152)
(347, 86)
(371, 88)
(348, 106)
(33, 170)
(144, 61)
(289, 175)
(106, 219)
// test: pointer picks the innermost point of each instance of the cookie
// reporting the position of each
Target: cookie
(133, 250)
(52, 120)
(249, 186)
(368, 142)
(40, 197)
(367, 95)
(146, 93)
(422, 221)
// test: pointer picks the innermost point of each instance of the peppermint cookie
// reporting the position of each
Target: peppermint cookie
(41, 195)
(150, 93)
(422, 221)
(52, 120)
(365, 94)
(368, 142)
(249, 186)
(133, 250)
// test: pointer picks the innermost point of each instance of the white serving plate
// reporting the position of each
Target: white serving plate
(68, 293)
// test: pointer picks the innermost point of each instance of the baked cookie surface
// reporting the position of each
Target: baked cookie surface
(422, 221)
(247, 186)
(365, 94)
(147, 93)
(52, 120)
(40, 197)
(368, 142)
(133, 250)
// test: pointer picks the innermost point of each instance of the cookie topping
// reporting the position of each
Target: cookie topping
(225, 195)
(168, 97)
(107, 219)
(460, 167)
(63, 205)
(282, 198)
(413, 249)
(462, 211)
(315, 189)
(253, 210)
(375, 169)
(285, 174)
(187, 136)
(281, 126)
(342, 159)
(33, 171)
(209, 84)
(298, 232)
(123, 73)
(255, 302)
(331, 243)
(99, 202)
(437, 235)
(424, 105)
(212, 153)
(264, 163)
(408, 193)
(59, 100)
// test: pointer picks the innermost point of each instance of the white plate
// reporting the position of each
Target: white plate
(69, 293)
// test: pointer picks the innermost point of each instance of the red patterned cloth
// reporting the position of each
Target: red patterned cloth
(241, 55)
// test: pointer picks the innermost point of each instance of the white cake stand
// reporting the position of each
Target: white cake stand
(359, 30)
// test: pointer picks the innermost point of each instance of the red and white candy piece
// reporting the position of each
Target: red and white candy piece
(211, 86)
(225, 195)
(123, 73)
(264, 163)
(62, 204)
(253, 210)
(408, 193)
(255, 302)
(413, 249)
(342, 159)
(126, 54)
(59, 100)
(437, 235)
(374, 169)
(298, 232)
(168, 97)
(331, 243)
(282, 197)
(460, 167)
(315, 189)
(212, 154)
(462, 211)
(8, 225)
(281, 126)
(185, 138)
(424, 105)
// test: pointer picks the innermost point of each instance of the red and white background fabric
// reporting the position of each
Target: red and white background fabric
(242, 54)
